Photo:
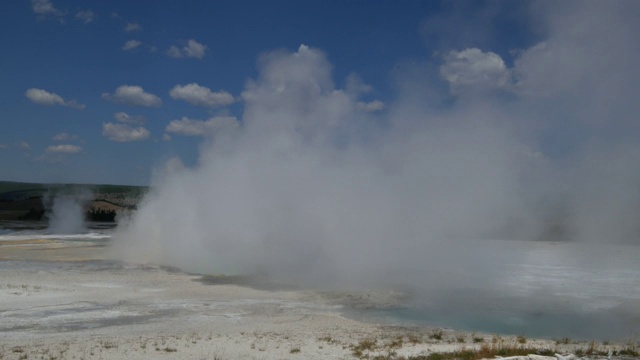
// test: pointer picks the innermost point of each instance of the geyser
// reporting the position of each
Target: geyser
(309, 187)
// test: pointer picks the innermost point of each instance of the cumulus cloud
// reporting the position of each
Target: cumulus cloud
(124, 133)
(45, 8)
(132, 26)
(133, 95)
(129, 119)
(472, 69)
(191, 127)
(201, 96)
(86, 16)
(43, 97)
(64, 149)
(193, 49)
(131, 44)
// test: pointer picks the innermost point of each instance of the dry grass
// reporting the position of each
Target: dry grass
(364, 347)
(484, 352)
(393, 345)
(521, 339)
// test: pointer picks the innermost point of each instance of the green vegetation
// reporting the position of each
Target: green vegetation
(9, 189)
(7, 186)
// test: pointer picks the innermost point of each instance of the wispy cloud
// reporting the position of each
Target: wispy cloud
(129, 119)
(86, 16)
(131, 44)
(24, 146)
(132, 26)
(43, 97)
(64, 149)
(65, 137)
(45, 8)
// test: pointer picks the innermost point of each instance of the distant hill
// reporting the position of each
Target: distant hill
(30, 201)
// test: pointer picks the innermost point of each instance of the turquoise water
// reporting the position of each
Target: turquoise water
(509, 321)
(547, 290)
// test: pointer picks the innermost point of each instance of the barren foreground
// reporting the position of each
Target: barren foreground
(69, 302)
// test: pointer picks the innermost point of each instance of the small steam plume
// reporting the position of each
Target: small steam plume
(67, 212)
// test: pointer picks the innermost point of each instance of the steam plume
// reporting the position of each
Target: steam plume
(67, 216)
(309, 187)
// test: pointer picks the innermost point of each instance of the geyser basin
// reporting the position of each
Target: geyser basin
(541, 289)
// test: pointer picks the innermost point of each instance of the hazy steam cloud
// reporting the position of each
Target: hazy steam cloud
(67, 215)
(308, 187)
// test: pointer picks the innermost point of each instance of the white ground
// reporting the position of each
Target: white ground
(60, 302)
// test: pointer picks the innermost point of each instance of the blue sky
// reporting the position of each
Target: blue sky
(107, 91)
(55, 49)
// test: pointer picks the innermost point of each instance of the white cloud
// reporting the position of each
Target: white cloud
(44, 8)
(190, 127)
(166, 137)
(132, 26)
(123, 132)
(43, 97)
(86, 16)
(64, 149)
(65, 137)
(201, 96)
(131, 44)
(193, 49)
(133, 95)
(372, 106)
(129, 119)
(472, 68)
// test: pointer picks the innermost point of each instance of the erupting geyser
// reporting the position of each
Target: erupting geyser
(310, 186)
